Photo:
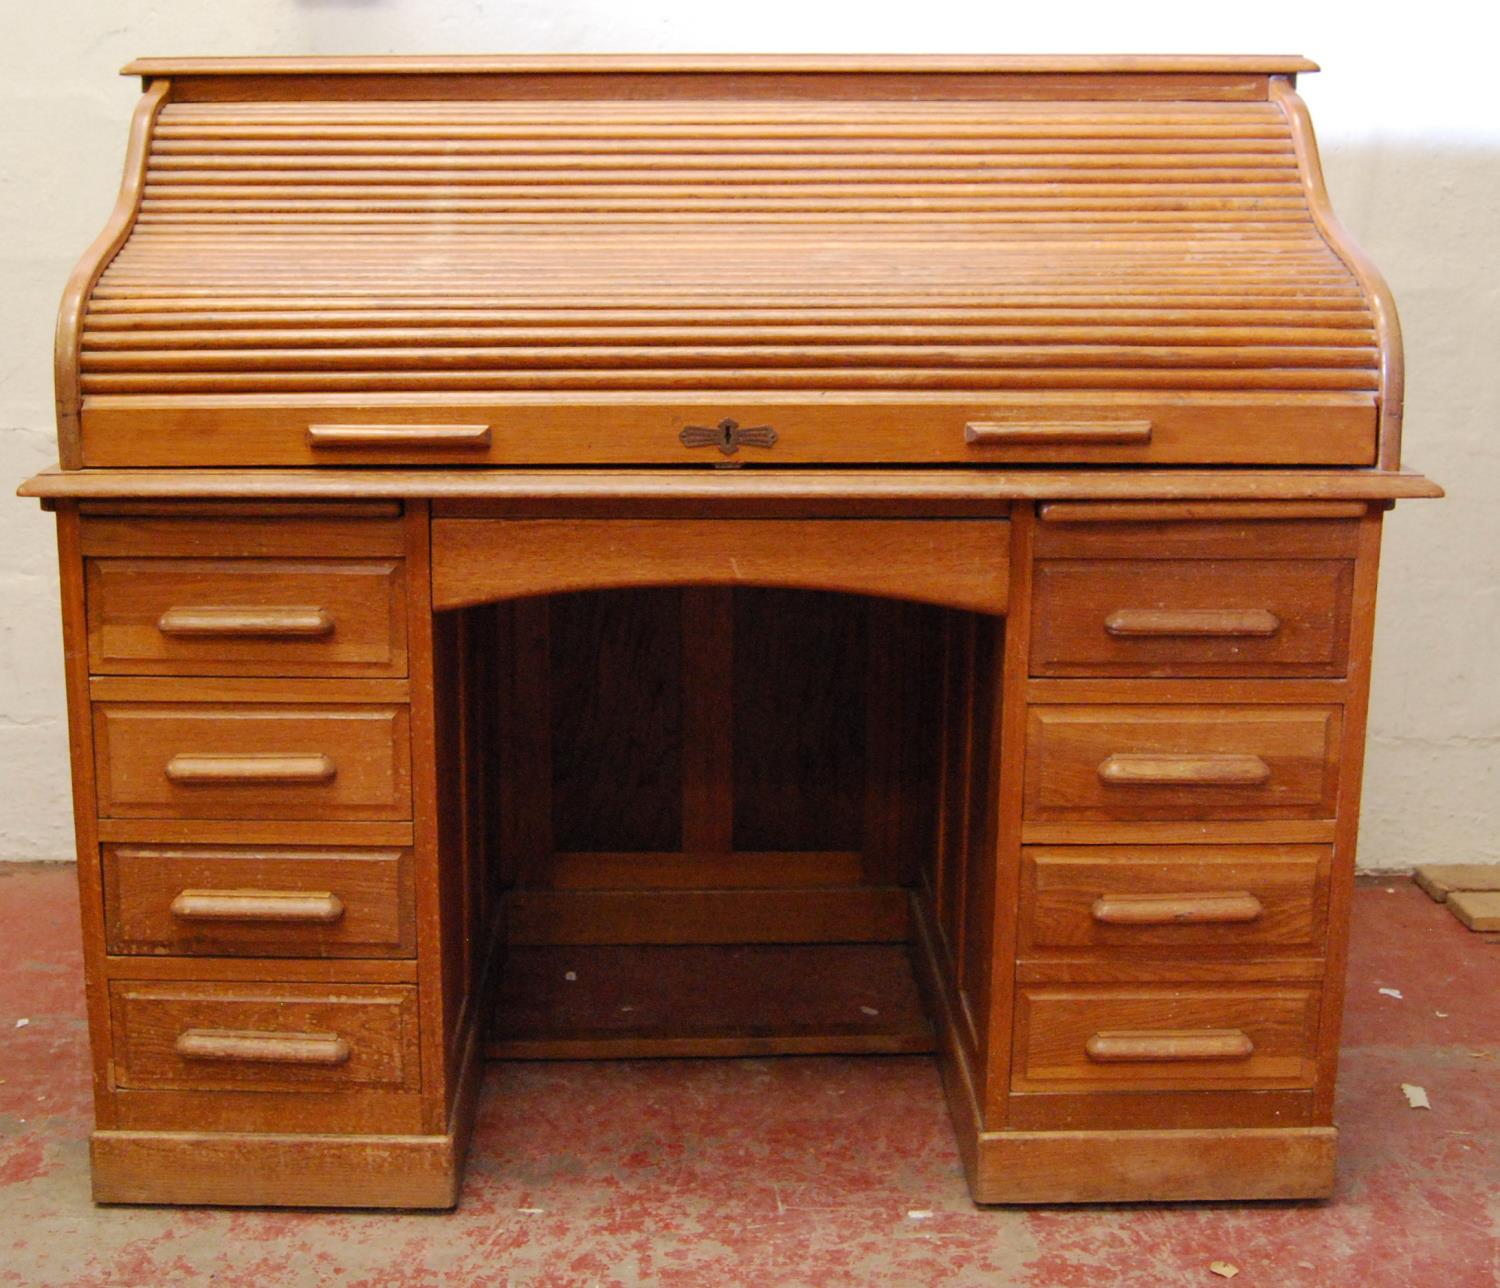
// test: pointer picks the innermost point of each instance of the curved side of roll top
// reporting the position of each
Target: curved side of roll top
(86, 273)
(589, 278)
(1382, 303)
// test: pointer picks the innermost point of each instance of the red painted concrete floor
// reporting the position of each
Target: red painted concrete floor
(811, 1172)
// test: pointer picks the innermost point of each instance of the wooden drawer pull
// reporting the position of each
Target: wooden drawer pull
(291, 769)
(244, 1046)
(258, 905)
(403, 436)
(1176, 909)
(1127, 1046)
(984, 433)
(1184, 770)
(1258, 622)
(245, 621)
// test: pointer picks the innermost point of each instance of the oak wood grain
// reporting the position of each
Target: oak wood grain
(275, 1169)
(1182, 762)
(206, 1036)
(341, 728)
(1173, 903)
(220, 760)
(258, 901)
(1166, 1039)
(801, 491)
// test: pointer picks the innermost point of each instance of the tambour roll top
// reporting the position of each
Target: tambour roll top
(753, 261)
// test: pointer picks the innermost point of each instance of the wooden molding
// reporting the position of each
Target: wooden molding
(268, 1170)
(1378, 293)
(719, 64)
(807, 490)
(95, 260)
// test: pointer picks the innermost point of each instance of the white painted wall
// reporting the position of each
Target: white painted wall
(1410, 125)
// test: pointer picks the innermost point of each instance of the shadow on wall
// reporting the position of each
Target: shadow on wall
(1425, 214)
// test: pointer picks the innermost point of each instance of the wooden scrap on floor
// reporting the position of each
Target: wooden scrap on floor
(1477, 909)
(1416, 1096)
(1441, 879)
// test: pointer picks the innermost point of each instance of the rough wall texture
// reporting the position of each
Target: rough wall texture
(1411, 141)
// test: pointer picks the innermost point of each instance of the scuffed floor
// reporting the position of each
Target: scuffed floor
(813, 1172)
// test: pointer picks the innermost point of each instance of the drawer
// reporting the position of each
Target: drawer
(1167, 900)
(251, 761)
(1181, 762)
(1185, 1038)
(277, 617)
(1191, 617)
(263, 1037)
(263, 902)
(693, 429)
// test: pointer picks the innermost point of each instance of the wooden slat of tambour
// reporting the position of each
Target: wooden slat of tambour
(1306, 287)
(1104, 377)
(433, 359)
(150, 343)
(621, 135)
(763, 199)
(171, 172)
(979, 148)
(1081, 177)
(249, 108)
(1256, 129)
(562, 111)
(210, 309)
(161, 328)
(565, 115)
(1132, 222)
(1058, 164)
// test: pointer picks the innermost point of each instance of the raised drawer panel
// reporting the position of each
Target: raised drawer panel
(246, 617)
(264, 1037)
(251, 761)
(1173, 901)
(265, 902)
(1183, 761)
(1165, 1038)
(1187, 617)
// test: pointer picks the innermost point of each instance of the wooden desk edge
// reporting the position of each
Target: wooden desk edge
(720, 64)
(707, 485)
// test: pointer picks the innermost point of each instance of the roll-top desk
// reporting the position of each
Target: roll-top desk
(530, 502)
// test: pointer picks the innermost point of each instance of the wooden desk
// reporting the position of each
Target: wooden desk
(412, 626)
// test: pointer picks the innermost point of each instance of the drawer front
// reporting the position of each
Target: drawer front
(958, 428)
(246, 617)
(264, 1037)
(251, 761)
(1181, 762)
(1170, 617)
(1170, 900)
(263, 902)
(1185, 1038)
